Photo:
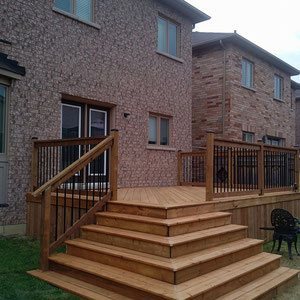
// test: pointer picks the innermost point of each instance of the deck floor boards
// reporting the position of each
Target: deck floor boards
(162, 195)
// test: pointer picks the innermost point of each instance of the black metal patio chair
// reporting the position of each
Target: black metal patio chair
(285, 228)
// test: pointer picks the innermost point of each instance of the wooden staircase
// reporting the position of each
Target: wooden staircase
(150, 252)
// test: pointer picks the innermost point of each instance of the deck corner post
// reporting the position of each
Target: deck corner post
(46, 229)
(297, 170)
(179, 167)
(114, 165)
(209, 170)
(261, 169)
(34, 165)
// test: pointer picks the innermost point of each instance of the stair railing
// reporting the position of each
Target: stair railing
(72, 197)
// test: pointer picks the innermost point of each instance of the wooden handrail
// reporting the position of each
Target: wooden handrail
(75, 166)
(69, 142)
(45, 194)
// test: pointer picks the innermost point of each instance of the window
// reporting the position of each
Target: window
(83, 9)
(274, 141)
(278, 87)
(159, 130)
(3, 99)
(167, 37)
(247, 73)
(248, 137)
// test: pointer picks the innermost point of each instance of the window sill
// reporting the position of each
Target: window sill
(278, 100)
(249, 88)
(170, 56)
(160, 148)
(74, 17)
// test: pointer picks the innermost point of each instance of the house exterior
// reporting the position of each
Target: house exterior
(92, 66)
(240, 91)
(296, 96)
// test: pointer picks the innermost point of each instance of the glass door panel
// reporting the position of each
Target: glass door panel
(71, 128)
(2, 118)
(98, 128)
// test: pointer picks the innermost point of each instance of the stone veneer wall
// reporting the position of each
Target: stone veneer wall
(116, 63)
(245, 110)
(297, 97)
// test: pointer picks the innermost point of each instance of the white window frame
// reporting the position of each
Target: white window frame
(178, 26)
(246, 62)
(278, 90)
(158, 127)
(73, 11)
(246, 135)
(270, 139)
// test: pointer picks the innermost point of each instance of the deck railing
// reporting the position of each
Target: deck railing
(230, 168)
(240, 168)
(49, 157)
(71, 198)
(191, 168)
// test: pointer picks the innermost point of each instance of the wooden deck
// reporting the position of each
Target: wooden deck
(174, 195)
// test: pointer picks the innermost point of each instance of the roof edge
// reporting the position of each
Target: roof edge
(262, 53)
(195, 14)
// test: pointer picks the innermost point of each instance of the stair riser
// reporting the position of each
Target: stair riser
(211, 265)
(138, 245)
(178, 212)
(133, 225)
(163, 230)
(207, 242)
(124, 263)
(164, 250)
(154, 212)
(231, 285)
(280, 289)
(119, 288)
(199, 225)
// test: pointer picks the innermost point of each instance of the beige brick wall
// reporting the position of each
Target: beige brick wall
(116, 63)
(245, 110)
(297, 96)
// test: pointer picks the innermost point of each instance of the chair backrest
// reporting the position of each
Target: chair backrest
(282, 220)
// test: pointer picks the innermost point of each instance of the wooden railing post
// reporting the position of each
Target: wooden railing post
(114, 165)
(46, 229)
(261, 169)
(210, 166)
(34, 166)
(297, 170)
(179, 168)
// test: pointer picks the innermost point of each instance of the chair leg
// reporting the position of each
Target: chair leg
(295, 241)
(279, 244)
(289, 242)
(274, 242)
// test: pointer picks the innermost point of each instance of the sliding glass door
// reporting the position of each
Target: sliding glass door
(3, 144)
(84, 121)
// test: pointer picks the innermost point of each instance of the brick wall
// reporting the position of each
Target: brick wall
(297, 96)
(245, 110)
(116, 63)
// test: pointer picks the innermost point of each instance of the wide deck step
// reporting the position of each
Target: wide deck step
(172, 270)
(266, 287)
(77, 287)
(164, 246)
(164, 227)
(159, 211)
(209, 286)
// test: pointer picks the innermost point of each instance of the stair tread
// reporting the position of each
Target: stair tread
(261, 285)
(166, 222)
(168, 241)
(166, 263)
(77, 287)
(186, 290)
